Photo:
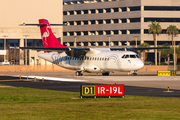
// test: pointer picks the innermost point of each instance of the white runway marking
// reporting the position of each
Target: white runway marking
(50, 78)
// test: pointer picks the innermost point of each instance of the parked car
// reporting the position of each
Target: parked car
(4, 63)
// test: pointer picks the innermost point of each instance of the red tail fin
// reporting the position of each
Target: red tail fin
(48, 38)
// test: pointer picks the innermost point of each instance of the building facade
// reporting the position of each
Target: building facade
(15, 12)
(112, 23)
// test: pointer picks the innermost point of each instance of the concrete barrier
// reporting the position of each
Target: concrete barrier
(153, 68)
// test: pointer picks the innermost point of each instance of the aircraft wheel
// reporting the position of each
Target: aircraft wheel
(105, 74)
(135, 74)
(78, 73)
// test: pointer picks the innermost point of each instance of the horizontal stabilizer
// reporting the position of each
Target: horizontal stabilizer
(24, 24)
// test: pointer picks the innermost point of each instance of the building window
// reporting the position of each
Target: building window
(78, 12)
(116, 9)
(100, 10)
(93, 32)
(124, 20)
(78, 22)
(71, 43)
(71, 22)
(71, 12)
(116, 20)
(108, 21)
(115, 43)
(135, 31)
(116, 32)
(124, 9)
(85, 43)
(137, 8)
(93, 11)
(108, 32)
(100, 43)
(71, 33)
(108, 10)
(100, 32)
(78, 33)
(100, 21)
(162, 19)
(85, 32)
(64, 12)
(64, 33)
(161, 8)
(85, 11)
(123, 31)
(85, 22)
(135, 19)
(93, 21)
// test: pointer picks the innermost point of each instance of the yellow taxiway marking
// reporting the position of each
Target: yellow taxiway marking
(8, 80)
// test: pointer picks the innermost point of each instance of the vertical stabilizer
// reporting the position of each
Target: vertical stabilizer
(48, 38)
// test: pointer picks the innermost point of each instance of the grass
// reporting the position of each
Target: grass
(20, 103)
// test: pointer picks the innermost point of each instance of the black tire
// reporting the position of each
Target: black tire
(78, 73)
(105, 74)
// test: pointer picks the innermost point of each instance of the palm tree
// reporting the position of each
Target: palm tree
(173, 30)
(155, 29)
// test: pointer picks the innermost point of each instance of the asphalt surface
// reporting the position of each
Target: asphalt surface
(75, 87)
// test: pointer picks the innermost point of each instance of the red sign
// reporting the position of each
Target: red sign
(109, 90)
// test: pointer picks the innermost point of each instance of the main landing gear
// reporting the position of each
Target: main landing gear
(134, 73)
(78, 73)
(105, 74)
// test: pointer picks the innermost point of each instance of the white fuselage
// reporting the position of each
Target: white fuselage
(97, 61)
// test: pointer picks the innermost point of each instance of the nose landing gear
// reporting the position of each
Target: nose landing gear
(134, 73)
(78, 73)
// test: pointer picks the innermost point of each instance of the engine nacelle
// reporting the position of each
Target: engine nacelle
(92, 68)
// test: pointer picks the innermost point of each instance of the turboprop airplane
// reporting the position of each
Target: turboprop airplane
(91, 60)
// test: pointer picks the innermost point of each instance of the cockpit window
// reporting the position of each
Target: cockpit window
(123, 56)
(132, 56)
(127, 56)
(137, 56)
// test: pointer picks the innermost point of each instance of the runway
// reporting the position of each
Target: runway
(149, 85)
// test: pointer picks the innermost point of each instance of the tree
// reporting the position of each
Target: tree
(155, 29)
(173, 30)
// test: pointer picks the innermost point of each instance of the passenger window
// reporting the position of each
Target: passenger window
(137, 56)
(132, 56)
(127, 56)
(97, 58)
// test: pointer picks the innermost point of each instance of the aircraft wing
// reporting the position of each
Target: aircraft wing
(73, 52)
(139, 48)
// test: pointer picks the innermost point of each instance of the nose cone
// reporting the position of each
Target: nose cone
(139, 65)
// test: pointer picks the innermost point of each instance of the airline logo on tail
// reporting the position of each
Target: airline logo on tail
(48, 38)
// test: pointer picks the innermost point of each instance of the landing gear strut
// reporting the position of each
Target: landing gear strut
(78, 73)
(105, 74)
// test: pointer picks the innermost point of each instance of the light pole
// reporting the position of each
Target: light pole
(75, 44)
(174, 53)
(5, 56)
(109, 40)
(25, 49)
